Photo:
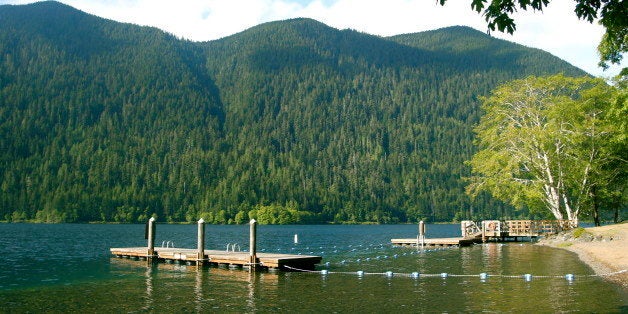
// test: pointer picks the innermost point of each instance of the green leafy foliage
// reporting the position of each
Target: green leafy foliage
(549, 143)
(287, 122)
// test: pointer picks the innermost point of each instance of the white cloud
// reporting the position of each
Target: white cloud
(556, 30)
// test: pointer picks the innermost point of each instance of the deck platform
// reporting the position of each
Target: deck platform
(491, 230)
(217, 257)
(436, 241)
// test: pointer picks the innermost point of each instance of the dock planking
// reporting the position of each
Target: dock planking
(201, 256)
(436, 241)
(218, 257)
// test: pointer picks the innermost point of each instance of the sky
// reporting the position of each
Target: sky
(556, 29)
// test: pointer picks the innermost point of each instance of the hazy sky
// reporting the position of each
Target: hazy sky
(556, 29)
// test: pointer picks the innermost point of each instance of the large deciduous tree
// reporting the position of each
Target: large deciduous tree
(612, 14)
(548, 142)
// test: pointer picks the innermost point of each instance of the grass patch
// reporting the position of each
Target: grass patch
(578, 232)
(564, 244)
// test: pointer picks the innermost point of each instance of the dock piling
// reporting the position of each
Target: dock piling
(421, 239)
(253, 243)
(201, 242)
(151, 239)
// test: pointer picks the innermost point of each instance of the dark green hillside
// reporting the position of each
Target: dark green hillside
(353, 126)
(289, 121)
(471, 50)
(97, 118)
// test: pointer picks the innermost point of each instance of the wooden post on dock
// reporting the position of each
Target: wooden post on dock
(201, 242)
(253, 244)
(483, 231)
(421, 239)
(151, 239)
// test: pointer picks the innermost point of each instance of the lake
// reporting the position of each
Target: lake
(68, 268)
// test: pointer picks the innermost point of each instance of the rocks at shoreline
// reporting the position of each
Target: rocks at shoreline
(581, 235)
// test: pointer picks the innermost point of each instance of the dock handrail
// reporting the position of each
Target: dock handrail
(166, 244)
(233, 247)
(514, 228)
(469, 229)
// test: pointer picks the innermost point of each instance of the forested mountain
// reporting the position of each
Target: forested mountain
(289, 122)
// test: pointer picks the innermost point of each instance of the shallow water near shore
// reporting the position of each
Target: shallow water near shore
(68, 268)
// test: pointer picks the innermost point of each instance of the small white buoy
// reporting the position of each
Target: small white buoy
(443, 275)
(296, 238)
(483, 276)
(327, 264)
(360, 273)
(527, 277)
(569, 277)
(324, 272)
(389, 274)
(415, 275)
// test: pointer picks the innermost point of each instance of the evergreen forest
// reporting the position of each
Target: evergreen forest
(287, 122)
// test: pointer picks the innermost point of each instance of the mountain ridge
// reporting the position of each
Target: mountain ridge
(286, 122)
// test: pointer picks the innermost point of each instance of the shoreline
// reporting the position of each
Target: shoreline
(604, 249)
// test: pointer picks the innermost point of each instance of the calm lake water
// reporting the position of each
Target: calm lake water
(68, 268)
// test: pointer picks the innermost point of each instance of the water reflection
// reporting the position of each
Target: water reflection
(198, 289)
(211, 287)
(492, 256)
(250, 301)
(149, 288)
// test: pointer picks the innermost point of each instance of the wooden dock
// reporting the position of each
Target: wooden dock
(200, 256)
(489, 230)
(217, 257)
(436, 241)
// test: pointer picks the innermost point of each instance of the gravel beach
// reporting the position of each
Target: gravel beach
(604, 249)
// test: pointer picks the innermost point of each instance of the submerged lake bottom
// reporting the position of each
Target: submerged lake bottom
(68, 268)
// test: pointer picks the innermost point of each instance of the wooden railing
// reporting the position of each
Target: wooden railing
(523, 228)
(514, 228)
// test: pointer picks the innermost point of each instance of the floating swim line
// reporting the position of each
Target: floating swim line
(482, 276)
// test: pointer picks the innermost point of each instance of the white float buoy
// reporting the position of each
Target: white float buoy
(415, 275)
(443, 275)
(389, 274)
(360, 273)
(483, 276)
(324, 272)
(527, 277)
(569, 277)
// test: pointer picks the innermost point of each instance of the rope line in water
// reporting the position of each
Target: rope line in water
(384, 256)
(482, 276)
